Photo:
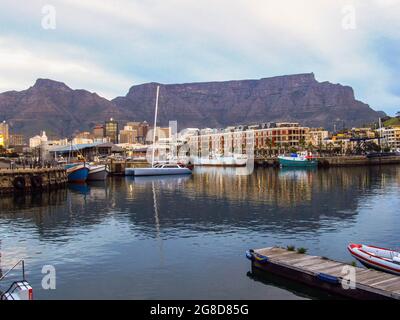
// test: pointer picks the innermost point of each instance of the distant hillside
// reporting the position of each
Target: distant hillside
(218, 104)
(54, 107)
(395, 121)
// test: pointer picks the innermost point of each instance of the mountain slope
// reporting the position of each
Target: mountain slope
(217, 104)
(54, 107)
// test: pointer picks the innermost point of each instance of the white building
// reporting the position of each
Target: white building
(36, 141)
(390, 137)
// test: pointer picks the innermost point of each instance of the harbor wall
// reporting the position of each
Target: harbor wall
(347, 161)
(338, 161)
(31, 180)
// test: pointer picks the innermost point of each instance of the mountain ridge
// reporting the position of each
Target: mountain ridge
(55, 107)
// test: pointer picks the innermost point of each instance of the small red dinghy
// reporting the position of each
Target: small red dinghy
(377, 258)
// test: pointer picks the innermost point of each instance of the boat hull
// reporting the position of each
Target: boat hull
(375, 257)
(141, 172)
(77, 173)
(97, 173)
(220, 162)
(286, 162)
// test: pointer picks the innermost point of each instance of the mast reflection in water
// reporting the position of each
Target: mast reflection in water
(185, 237)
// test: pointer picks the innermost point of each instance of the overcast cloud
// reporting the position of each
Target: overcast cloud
(108, 46)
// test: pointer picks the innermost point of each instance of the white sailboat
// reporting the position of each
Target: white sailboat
(158, 169)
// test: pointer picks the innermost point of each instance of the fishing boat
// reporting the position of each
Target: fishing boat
(77, 172)
(377, 258)
(297, 160)
(97, 172)
(158, 170)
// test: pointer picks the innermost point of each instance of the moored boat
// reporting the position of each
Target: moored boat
(236, 160)
(158, 170)
(296, 160)
(97, 172)
(77, 172)
(377, 258)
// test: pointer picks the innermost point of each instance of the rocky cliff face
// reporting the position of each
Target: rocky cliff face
(56, 108)
(217, 104)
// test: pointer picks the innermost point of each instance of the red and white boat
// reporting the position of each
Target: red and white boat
(378, 258)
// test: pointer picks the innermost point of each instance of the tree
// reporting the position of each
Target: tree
(302, 144)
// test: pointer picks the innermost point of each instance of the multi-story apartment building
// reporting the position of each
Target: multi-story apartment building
(270, 138)
(141, 129)
(128, 135)
(98, 132)
(16, 140)
(317, 136)
(390, 137)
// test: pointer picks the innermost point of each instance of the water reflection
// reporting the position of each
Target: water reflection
(140, 227)
(212, 197)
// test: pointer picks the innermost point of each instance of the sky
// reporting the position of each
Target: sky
(108, 46)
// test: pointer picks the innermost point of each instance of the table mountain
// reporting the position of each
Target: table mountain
(297, 98)
(54, 107)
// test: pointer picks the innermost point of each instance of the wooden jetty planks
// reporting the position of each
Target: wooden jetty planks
(369, 283)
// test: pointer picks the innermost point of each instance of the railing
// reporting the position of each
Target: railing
(12, 287)
(23, 270)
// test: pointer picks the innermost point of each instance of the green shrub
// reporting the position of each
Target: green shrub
(301, 250)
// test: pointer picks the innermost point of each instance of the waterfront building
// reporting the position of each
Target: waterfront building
(98, 132)
(17, 140)
(88, 151)
(4, 134)
(141, 129)
(36, 141)
(82, 141)
(317, 137)
(268, 139)
(111, 130)
(364, 133)
(129, 135)
(163, 134)
(390, 137)
(83, 138)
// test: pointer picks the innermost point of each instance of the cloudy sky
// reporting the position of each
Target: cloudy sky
(107, 46)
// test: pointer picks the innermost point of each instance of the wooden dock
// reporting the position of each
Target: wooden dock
(326, 274)
(31, 180)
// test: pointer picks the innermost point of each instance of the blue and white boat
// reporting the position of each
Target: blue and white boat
(97, 172)
(77, 172)
(296, 160)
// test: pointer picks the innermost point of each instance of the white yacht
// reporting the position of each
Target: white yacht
(158, 170)
(235, 160)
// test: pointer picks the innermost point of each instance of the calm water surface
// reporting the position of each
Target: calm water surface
(185, 237)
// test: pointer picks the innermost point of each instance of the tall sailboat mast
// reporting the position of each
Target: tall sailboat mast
(155, 125)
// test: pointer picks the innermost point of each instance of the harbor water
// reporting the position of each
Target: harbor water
(185, 237)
